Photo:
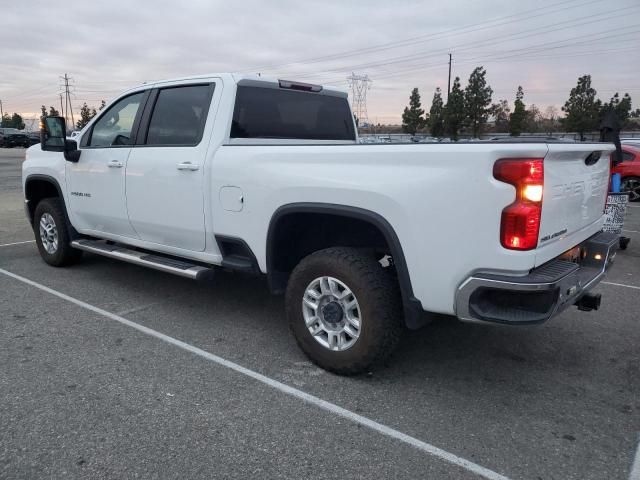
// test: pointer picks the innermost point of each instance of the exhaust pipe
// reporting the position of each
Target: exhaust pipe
(588, 302)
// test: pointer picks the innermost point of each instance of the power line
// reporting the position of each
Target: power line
(519, 52)
(596, 18)
(422, 38)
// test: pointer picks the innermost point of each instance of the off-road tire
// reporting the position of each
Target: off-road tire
(378, 295)
(64, 255)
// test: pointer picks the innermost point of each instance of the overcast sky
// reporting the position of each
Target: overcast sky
(108, 46)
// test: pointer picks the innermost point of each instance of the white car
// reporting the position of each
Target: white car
(267, 177)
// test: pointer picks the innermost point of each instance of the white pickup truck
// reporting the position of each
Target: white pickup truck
(267, 177)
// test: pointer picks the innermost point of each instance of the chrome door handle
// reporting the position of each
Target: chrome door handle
(188, 166)
(115, 164)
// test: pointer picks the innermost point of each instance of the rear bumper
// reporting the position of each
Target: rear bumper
(540, 295)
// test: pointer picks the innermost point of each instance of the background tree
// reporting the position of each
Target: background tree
(436, 114)
(517, 118)
(102, 104)
(582, 109)
(532, 119)
(12, 121)
(454, 114)
(86, 114)
(17, 121)
(44, 111)
(53, 112)
(412, 117)
(500, 112)
(477, 99)
(549, 121)
(621, 107)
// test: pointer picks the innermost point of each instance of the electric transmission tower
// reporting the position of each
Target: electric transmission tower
(359, 84)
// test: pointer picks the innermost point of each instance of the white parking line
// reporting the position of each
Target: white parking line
(621, 285)
(16, 243)
(635, 467)
(294, 392)
(630, 231)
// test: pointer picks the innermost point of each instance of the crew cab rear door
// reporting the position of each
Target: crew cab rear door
(165, 170)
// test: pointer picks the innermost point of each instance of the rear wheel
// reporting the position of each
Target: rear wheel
(52, 235)
(631, 185)
(344, 310)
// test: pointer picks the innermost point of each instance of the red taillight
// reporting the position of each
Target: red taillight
(520, 224)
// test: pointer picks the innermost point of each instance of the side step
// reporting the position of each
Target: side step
(182, 268)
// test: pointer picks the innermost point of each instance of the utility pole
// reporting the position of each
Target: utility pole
(67, 101)
(61, 107)
(1, 111)
(449, 82)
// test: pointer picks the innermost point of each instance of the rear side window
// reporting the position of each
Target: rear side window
(627, 156)
(179, 115)
(272, 113)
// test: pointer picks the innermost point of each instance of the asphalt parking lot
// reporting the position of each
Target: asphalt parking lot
(118, 371)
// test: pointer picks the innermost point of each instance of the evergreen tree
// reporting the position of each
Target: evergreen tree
(582, 109)
(12, 121)
(477, 100)
(436, 114)
(102, 104)
(622, 108)
(53, 112)
(412, 117)
(86, 114)
(17, 121)
(44, 111)
(454, 111)
(517, 118)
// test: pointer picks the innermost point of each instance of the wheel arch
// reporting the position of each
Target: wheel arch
(37, 187)
(278, 279)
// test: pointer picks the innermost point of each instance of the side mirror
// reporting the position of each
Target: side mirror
(53, 138)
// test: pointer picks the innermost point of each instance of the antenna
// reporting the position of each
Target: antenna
(359, 84)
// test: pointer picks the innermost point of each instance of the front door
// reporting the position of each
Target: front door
(165, 171)
(96, 183)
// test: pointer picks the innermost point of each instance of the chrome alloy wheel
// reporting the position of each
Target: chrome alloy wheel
(48, 233)
(331, 313)
(632, 187)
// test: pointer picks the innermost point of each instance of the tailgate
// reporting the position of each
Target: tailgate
(575, 189)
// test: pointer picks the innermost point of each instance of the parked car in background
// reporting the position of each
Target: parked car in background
(634, 142)
(20, 139)
(34, 138)
(5, 132)
(629, 170)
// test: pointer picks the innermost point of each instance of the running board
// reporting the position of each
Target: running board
(182, 268)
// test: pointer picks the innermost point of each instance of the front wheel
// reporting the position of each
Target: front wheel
(52, 234)
(344, 310)
(631, 185)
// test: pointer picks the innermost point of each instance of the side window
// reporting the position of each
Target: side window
(114, 127)
(179, 115)
(627, 157)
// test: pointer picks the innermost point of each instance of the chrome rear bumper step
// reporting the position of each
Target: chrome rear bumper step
(182, 268)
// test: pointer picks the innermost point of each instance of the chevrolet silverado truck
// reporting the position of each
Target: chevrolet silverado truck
(267, 177)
